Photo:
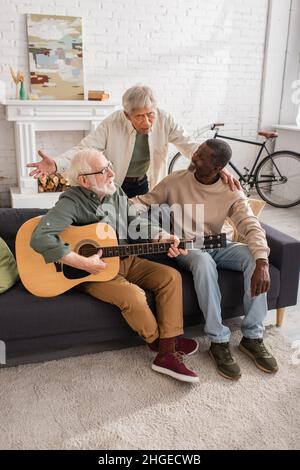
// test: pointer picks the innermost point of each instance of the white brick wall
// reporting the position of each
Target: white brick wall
(203, 58)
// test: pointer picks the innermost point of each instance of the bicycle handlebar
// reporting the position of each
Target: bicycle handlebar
(208, 127)
(217, 124)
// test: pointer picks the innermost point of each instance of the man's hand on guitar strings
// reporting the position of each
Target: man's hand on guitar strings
(173, 250)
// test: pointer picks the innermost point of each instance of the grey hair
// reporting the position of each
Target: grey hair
(81, 163)
(138, 97)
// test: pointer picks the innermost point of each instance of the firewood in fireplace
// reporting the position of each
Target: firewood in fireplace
(53, 183)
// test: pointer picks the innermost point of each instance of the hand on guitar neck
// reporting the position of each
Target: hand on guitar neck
(173, 251)
(92, 264)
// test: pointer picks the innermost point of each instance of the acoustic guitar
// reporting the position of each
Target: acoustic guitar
(51, 279)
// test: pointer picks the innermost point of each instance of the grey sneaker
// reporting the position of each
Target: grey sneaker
(225, 364)
(262, 358)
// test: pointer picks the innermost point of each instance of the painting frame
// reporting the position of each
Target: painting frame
(55, 50)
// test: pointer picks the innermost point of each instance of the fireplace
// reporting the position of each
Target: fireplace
(30, 117)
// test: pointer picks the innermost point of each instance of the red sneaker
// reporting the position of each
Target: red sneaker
(172, 364)
(185, 346)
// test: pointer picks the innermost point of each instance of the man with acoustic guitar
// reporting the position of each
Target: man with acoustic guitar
(94, 197)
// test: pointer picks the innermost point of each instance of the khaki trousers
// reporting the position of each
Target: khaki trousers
(126, 291)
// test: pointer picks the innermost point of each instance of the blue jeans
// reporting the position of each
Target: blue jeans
(203, 266)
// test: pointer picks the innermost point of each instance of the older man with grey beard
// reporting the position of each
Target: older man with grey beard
(94, 197)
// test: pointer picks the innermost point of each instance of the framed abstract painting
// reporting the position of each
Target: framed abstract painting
(55, 57)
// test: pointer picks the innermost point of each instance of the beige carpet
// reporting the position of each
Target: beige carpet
(113, 400)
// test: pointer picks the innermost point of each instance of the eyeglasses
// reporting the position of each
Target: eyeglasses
(141, 117)
(104, 170)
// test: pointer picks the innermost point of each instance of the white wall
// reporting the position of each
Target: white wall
(282, 63)
(275, 61)
(289, 110)
(203, 58)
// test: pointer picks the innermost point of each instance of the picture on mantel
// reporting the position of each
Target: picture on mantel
(55, 57)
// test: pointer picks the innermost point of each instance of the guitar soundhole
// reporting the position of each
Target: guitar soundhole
(88, 250)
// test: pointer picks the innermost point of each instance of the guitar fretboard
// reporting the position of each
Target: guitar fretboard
(132, 249)
(138, 249)
(209, 242)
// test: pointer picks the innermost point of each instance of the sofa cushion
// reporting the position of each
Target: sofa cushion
(8, 267)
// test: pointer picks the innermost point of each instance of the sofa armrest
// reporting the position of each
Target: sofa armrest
(284, 255)
(11, 220)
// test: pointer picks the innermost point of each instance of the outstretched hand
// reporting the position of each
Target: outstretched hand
(43, 168)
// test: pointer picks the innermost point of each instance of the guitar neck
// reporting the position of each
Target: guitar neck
(140, 248)
(209, 242)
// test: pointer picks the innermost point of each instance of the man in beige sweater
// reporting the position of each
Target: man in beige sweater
(202, 185)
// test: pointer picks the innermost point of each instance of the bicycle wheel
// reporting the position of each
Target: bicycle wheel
(178, 162)
(277, 179)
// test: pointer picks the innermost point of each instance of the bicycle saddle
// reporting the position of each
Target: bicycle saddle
(268, 134)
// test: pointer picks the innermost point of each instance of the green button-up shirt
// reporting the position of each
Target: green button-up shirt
(80, 206)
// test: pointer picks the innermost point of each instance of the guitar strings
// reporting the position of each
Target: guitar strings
(91, 250)
(136, 248)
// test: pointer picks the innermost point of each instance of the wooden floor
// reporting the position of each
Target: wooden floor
(288, 221)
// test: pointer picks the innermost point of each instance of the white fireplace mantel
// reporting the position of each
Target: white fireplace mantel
(30, 117)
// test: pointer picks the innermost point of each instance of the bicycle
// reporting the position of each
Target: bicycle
(276, 178)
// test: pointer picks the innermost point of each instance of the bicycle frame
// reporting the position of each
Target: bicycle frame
(265, 174)
(248, 177)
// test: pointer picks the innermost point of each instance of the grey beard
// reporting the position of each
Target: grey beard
(101, 192)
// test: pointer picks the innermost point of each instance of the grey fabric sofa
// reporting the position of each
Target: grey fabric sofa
(36, 329)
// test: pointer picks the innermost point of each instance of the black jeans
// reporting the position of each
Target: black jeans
(135, 188)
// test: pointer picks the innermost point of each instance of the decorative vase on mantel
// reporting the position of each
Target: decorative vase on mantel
(17, 92)
(22, 92)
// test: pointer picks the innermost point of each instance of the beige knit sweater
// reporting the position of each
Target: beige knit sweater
(219, 202)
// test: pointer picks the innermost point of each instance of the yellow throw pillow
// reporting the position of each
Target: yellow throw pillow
(229, 228)
(8, 268)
